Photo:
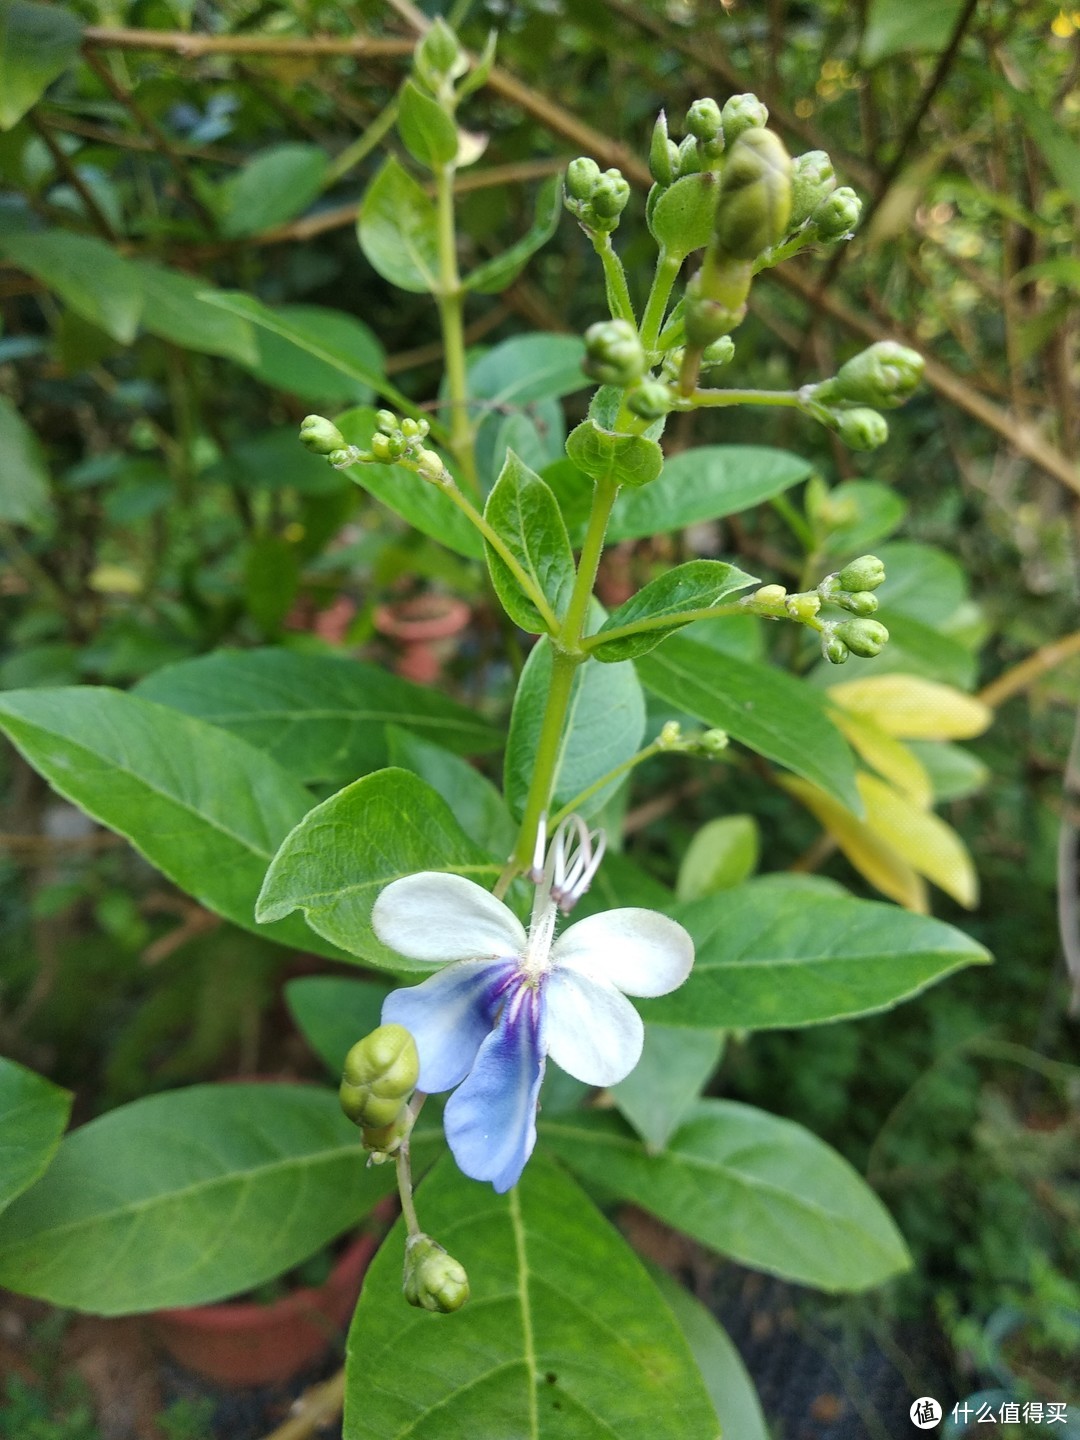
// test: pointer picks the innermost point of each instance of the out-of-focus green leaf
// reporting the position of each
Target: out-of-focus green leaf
(86, 273)
(280, 361)
(495, 274)
(398, 230)
(334, 1012)
(24, 477)
(37, 43)
(172, 309)
(275, 186)
(898, 27)
(429, 133)
(33, 1114)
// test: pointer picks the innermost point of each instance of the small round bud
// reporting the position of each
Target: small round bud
(769, 595)
(671, 736)
(837, 215)
(742, 113)
(859, 602)
(885, 374)
(720, 352)
(650, 400)
(433, 1280)
(410, 429)
(380, 448)
(613, 353)
(320, 436)
(861, 429)
(379, 1075)
(812, 180)
(663, 155)
(429, 465)
(865, 573)
(386, 421)
(833, 648)
(396, 444)
(713, 742)
(689, 157)
(439, 55)
(703, 120)
(610, 195)
(582, 176)
(804, 606)
(755, 195)
(864, 637)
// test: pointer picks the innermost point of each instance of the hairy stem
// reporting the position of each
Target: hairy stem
(618, 292)
(451, 301)
(667, 271)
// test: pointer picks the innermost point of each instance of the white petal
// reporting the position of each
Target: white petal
(432, 916)
(593, 1032)
(641, 952)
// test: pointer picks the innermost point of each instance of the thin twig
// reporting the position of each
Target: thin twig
(179, 42)
(72, 176)
(1023, 675)
(317, 1407)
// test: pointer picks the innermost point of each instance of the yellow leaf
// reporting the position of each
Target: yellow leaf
(109, 579)
(891, 759)
(912, 708)
(872, 856)
(920, 838)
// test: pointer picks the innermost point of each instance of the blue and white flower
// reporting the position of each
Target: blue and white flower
(508, 998)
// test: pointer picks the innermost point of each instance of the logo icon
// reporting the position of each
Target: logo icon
(925, 1413)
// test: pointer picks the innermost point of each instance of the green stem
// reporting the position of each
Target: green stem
(505, 554)
(618, 292)
(362, 146)
(573, 626)
(667, 272)
(794, 521)
(662, 622)
(697, 399)
(450, 298)
(616, 774)
(404, 1184)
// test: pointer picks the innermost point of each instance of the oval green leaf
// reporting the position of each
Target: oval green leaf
(664, 605)
(629, 460)
(525, 515)
(33, 1115)
(398, 230)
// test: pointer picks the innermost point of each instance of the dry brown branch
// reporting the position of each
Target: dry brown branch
(1023, 675)
(72, 176)
(100, 135)
(317, 1407)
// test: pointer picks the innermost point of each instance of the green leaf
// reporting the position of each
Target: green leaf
(921, 582)
(1059, 149)
(859, 514)
(564, 1335)
(496, 274)
(334, 863)
(630, 460)
(278, 184)
(897, 27)
(705, 484)
(604, 727)
(422, 504)
(173, 310)
(186, 1197)
(526, 369)
(398, 230)
(37, 43)
(525, 515)
(334, 1012)
(86, 273)
(726, 1378)
(684, 214)
(721, 855)
(284, 364)
(749, 1185)
(921, 649)
(666, 1083)
(954, 772)
(771, 712)
(429, 133)
(33, 1116)
(202, 806)
(24, 476)
(475, 802)
(771, 957)
(322, 718)
(667, 603)
(271, 581)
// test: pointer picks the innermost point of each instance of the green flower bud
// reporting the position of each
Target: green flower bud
(720, 352)
(439, 56)
(865, 573)
(396, 444)
(380, 1074)
(582, 176)
(613, 353)
(837, 215)
(429, 466)
(713, 742)
(433, 1280)
(755, 195)
(859, 602)
(610, 195)
(386, 421)
(740, 114)
(382, 1141)
(812, 180)
(861, 429)
(650, 400)
(703, 120)
(865, 637)
(670, 737)
(689, 157)
(320, 436)
(663, 155)
(833, 648)
(804, 606)
(885, 375)
(769, 595)
(380, 448)
(707, 318)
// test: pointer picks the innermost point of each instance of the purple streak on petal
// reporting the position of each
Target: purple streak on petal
(449, 1015)
(490, 1119)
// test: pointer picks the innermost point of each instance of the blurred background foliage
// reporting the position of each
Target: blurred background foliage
(154, 504)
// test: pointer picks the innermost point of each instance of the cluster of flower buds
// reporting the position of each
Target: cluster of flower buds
(885, 375)
(395, 442)
(714, 357)
(322, 437)
(707, 743)
(710, 131)
(851, 589)
(433, 1280)
(377, 1082)
(595, 197)
(614, 356)
(439, 60)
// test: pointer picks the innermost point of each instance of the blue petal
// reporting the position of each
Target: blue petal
(490, 1120)
(448, 1015)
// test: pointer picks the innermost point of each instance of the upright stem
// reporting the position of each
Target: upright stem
(667, 272)
(451, 301)
(618, 292)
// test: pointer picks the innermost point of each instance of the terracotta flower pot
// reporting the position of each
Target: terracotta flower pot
(244, 1343)
(423, 628)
